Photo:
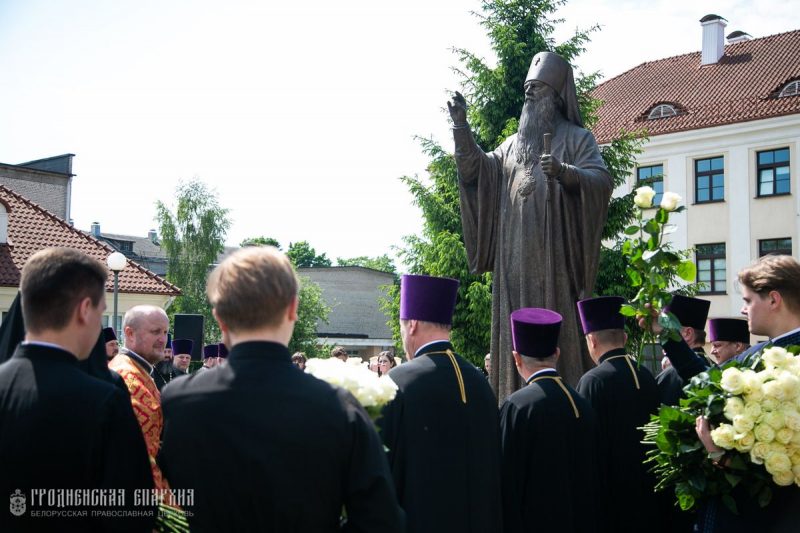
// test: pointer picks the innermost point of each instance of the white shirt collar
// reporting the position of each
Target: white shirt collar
(539, 372)
(786, 334)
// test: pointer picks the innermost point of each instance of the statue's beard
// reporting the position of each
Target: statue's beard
(537, 119)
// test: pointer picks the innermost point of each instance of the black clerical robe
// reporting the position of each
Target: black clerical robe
(624, 396)
(60, 428)
(550, 459)
(670, 383)
(268, 448)
(443, 436)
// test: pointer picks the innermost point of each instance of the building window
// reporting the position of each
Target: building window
(654, 177)
(709, 180)
(711, 267)
(773, 172)
(775, 247)
(791, 89)
(662, 111)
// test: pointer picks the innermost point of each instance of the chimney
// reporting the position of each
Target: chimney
(153, 236)
(713, 39)
(738, 37)
(95, 229)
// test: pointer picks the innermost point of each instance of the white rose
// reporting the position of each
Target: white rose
(744, 442)
(776, 356)
(752, 409)
(759, 452)
(784, 435)
(792, 419)
(752, 385)
(644, 197)
(733, 406)
(764, 433)
(670, 201)
(743, 423)
(732, 381)
(723, 436)
(789, 384)
(772, 389)
(768, 405)
(783, 479)
(778, 462)
(774, 419)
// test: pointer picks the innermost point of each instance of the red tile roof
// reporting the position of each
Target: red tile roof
(31, 228)
(742, 86)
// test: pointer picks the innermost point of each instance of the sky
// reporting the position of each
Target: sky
(301, 116)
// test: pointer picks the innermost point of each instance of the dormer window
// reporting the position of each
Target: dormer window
(790, 89)
(662, 111)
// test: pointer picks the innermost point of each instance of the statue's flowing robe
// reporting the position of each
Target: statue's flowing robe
(539, 236)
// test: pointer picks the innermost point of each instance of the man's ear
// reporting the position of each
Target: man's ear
(83, 310)
(292, 311)
(412, 326)
(222, 326)
(558, 353)
(517, 359)
(775, 300)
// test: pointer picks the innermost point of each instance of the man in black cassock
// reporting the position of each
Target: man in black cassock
(549, 436)
(623, 395)
(442, 429)
(61, 428)
(265, 447)
(692, 314)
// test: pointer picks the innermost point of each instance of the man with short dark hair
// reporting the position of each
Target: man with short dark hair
(181, 359)
(59, 427)
(623, 395)
(550, 440)
(276, 449)
(442, 430)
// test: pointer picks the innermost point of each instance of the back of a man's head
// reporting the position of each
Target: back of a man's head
(54, 282)
(779, 273)
(252, 288)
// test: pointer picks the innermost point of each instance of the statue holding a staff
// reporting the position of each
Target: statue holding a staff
(533, 214)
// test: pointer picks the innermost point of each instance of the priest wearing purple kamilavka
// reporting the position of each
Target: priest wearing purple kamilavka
(624, 395)
(549, 437)
(441, 430)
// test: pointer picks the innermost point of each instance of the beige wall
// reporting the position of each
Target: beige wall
(742, 219)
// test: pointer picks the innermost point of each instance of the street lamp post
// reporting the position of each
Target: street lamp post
(116, 262)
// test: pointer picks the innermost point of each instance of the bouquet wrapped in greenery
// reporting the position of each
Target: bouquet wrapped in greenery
(754, 408)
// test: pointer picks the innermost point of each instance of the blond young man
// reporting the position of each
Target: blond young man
(275, 449)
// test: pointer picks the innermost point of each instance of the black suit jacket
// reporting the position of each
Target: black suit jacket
(267, 447)
(63, 429)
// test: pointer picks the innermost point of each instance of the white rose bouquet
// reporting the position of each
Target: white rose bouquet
(754, 409)
(371, 391)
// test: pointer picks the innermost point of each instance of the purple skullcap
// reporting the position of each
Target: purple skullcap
(534, 331)
(223, 350)
(690, 312)
(428, 298)
(601, 313)
(182, 346)
(728, 329)
(210, 350)
(109, 334)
